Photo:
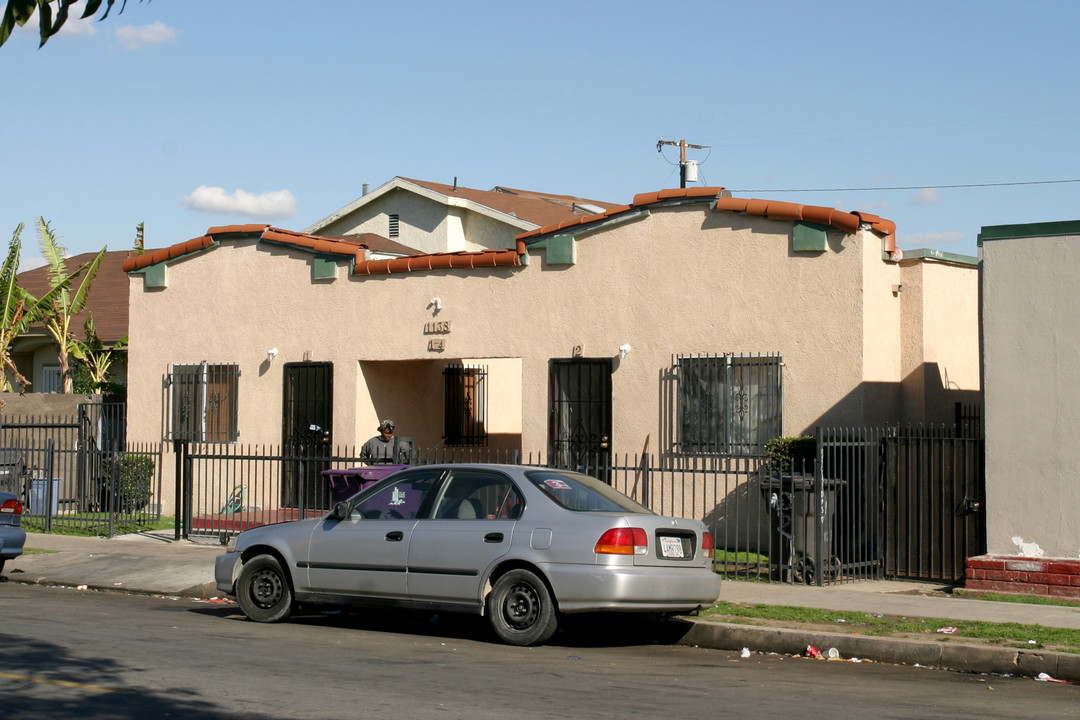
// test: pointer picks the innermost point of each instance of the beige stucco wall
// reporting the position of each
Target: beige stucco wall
(945, 310)
(1031, 343)
(682, 280)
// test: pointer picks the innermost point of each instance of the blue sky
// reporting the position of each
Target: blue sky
(185, 114)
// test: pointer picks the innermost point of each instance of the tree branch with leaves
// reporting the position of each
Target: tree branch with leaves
(19, 12)
(95, 357)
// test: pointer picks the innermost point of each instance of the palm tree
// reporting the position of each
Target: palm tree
(18, 310)
(64, 305)
(95, 356)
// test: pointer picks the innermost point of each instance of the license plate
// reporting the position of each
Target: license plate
(671, 547)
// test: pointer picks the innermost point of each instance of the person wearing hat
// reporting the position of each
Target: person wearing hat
(380, 449)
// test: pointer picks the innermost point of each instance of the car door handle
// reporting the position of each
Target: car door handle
(395, 536)
(494, 537)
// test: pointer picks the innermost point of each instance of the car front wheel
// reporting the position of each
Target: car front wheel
(520, 609)
(263, 591)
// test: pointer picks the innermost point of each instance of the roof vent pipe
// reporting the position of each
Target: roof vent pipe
(455, 183)
(366, 187)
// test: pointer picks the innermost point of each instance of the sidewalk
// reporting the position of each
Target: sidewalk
(156, 564)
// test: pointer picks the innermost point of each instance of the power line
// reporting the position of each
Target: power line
(912, 187)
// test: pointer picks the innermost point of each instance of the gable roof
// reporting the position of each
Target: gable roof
(108, 297)
(524, 209)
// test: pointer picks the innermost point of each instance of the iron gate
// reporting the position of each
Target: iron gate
(579, 431)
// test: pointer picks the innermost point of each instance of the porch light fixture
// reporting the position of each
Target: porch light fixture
(436, 302)
(271, 354)
(624, 349)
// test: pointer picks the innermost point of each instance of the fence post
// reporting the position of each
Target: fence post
(820, 513)
(114, 474)
(49, 450)
(645, 479)
(182, 499)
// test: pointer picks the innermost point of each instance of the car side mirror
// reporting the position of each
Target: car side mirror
(340, 511)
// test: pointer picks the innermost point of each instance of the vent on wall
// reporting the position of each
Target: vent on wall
(393, 226)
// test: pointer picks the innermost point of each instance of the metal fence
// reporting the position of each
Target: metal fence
(873, 502)
(73, 473)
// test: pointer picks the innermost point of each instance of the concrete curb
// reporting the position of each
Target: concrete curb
(945, 654)
(202, 591)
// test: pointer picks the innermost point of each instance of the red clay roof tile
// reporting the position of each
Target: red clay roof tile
(230, 229)
(438, 261)
(774, 209)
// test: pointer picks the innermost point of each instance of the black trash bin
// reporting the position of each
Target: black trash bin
(345, 483)
(792, 505)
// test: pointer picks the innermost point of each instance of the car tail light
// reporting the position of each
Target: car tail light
(11, 507)
(622, 541)
(706, 541)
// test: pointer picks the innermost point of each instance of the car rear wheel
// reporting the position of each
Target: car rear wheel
(520, 609)
(263, 591)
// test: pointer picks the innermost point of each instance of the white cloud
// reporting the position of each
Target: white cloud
(926, 196)
(932, 239)
(135, 37)
(267, 206)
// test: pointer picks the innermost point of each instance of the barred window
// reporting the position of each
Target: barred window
(203, 402)
(465, 405)
(728, 404)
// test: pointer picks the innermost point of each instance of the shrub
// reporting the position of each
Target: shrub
(785, 453)
(134, 475)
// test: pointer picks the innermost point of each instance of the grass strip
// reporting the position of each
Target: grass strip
(1005, 634)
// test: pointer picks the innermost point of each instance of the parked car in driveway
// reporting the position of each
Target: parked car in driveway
(12, 536)
(521, 545)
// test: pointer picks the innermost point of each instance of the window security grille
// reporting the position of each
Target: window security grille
(465, 405)
(393, 232)
(728, 404)
(203, 402)
(51, 380)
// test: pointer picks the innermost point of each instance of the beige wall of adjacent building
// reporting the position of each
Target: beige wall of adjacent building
(1031, 345)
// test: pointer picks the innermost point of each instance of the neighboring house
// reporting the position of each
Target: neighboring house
(687, 323)
(1031, 349)
(34, 352)
(433, 217)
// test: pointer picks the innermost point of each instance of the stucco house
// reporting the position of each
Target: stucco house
(1031, 343)
(686, 322)
(34, 352)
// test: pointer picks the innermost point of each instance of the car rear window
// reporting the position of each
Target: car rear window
(583, 493)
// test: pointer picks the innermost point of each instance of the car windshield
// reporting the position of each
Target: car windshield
(583, 493)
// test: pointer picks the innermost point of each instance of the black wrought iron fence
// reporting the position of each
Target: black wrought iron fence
(72, 473)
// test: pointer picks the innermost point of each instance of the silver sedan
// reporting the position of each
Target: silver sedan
(520, 545)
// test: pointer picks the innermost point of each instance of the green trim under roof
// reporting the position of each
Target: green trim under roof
(809, 237)
(154, 275)
(931, 254)
(324, 267)
(1029, 230)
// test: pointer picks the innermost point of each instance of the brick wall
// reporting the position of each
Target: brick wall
(1054, 577)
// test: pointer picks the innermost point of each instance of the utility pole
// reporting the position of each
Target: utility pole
(682, 155)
